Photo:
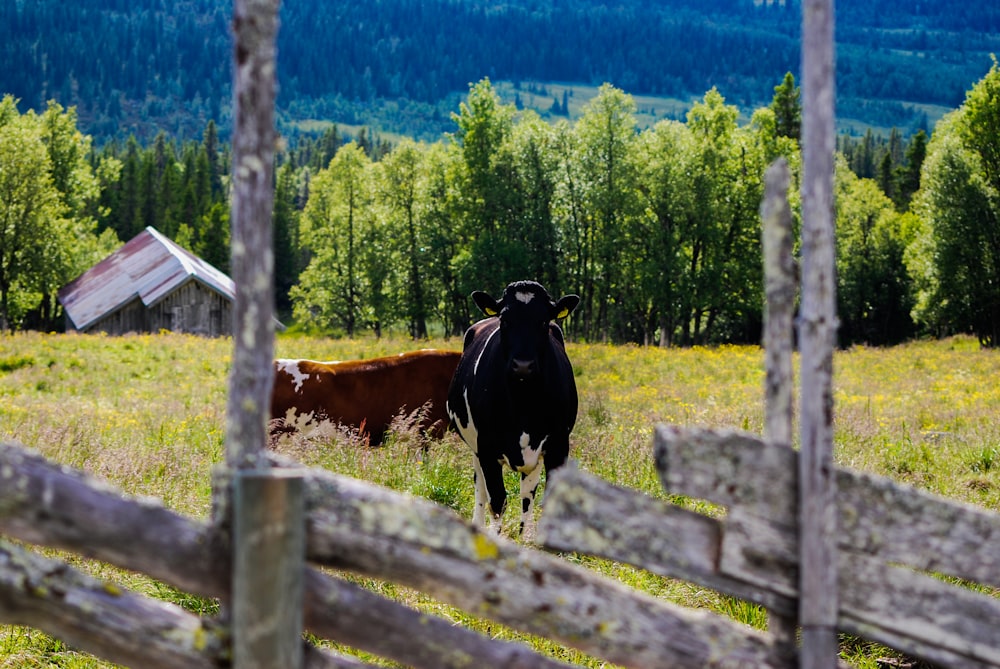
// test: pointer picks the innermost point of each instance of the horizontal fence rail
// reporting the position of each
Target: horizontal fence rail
(53, 506)
(891, 536)
(897, 548)
(368, 530)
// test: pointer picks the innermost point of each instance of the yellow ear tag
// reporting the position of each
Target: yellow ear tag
(562, 314)
(490, 312)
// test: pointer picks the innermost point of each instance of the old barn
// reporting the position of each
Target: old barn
(150, 284)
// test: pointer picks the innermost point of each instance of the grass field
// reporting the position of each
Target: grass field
(146, 412)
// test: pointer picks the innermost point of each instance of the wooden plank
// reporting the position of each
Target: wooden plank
(586, 514)
(909, 526)
(729, 468)
(100, 618)
(269, 552)
(913, 612)
(877, 516)
(779, 305)
(383, 534)
(779, 311)
(49, 505)
(941, 623)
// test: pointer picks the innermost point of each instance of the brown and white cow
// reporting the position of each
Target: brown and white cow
(365, 394)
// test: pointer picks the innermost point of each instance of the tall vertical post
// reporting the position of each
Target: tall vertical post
(267, 516)
(779, 311)
(255, 27)
(817, 332)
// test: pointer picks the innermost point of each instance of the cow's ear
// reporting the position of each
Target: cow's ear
(565, 306)
(486, 303)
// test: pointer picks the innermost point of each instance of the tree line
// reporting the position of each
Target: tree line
(657, 229)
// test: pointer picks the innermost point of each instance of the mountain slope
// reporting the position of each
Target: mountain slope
(141, 65)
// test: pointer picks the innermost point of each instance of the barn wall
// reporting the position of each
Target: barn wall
(195, 309)
(191, 308)
(130, 318)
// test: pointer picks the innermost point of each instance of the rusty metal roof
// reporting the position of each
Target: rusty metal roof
(149, 267)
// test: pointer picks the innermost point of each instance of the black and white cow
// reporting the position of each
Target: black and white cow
(513, 398)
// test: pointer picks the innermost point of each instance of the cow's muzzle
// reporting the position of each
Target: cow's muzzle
(522, 369)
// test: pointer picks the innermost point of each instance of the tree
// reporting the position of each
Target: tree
(787, 107)
(488, 190)
(667, 156)
(400, 192)
(532, 159)
(29, 202)
(48, 196)
(959, 206)
(604, 150)
(213, 244)
(874, 289)
(907, 175)
(441, 204)
(335, 222)
(286, 236)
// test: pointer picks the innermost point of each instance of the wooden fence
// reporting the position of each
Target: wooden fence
(822, 548)
(895, 545)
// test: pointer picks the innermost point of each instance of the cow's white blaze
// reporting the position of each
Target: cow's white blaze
(524, 297)
(291, 367)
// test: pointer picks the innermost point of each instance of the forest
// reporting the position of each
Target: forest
(136, 67)
(656, 229)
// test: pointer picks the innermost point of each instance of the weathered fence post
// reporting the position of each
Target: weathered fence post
(817, 331)
(267, 506)
(269, 543)
(255, 24)
(779, 310)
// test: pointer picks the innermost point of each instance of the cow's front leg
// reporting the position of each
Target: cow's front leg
(529, 488)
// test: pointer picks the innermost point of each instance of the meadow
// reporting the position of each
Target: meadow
(146, 412)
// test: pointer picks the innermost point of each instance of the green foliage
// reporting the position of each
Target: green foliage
(874, 290)
(959, 204)
(339, 289)
(657, 228)
(787, 107)
(48, 210)
(15, 362)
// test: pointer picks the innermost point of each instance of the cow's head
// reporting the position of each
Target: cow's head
(526, 312)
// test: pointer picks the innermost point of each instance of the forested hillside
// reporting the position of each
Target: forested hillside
(140, 66)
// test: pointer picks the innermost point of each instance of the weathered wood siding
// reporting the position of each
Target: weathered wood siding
(192, 308)
(132, 317)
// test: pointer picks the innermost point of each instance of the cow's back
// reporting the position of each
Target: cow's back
(367, 393)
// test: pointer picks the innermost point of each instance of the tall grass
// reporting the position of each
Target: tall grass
(147, 413)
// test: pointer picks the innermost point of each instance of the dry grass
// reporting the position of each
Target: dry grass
(147, 413)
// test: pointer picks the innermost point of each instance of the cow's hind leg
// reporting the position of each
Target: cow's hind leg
(479, 512)
(490, 480)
